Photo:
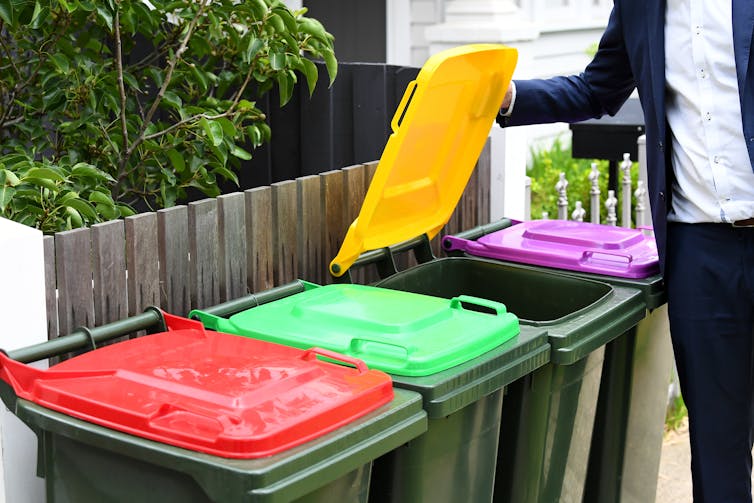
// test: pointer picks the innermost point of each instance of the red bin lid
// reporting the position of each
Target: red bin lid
(212, 392)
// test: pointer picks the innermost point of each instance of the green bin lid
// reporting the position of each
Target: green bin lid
(401, 333)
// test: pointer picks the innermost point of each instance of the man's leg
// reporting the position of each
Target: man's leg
(710, 284)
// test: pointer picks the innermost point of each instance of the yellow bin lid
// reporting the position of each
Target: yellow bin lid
(438, 133)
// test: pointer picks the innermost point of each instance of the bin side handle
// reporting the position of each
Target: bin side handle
(23, 378)
(312, 353)
(400, 112)
(608, 258)
(498, 307)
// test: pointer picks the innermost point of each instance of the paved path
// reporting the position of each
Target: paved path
(674, 481)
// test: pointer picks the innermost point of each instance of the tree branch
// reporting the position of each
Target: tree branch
(121, 85)
(171, 67)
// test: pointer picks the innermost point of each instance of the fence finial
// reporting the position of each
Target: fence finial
(626, 195)
(562, 187)
(610, 204)
(578, 213)
(639, 194)
(594, 176)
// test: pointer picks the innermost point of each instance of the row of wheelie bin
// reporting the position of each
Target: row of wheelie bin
(422, 387)
(476, 377)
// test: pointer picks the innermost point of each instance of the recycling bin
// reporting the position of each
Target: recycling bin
(458, 354)
(627, 439)
(188, 415)
(548, 420)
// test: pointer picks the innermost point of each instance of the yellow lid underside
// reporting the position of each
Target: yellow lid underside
(438, 132)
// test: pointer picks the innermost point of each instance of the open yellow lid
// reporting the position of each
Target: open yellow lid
(439, 131)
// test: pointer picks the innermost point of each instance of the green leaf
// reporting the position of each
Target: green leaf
(46, 173)
(237, 151)
(285, 87)
(255, 135)
(84, 208)
(131, 81)
(201, 79)
(311, 73)
(176, 159)
(74, 219)
(6, 12)
(109, 211)
(277, 23)
(84, 170)
(6, 195)
(258, 8)
(98, 197)
(229, 130)
(332, 65)
(61, 62)
(225, 173)
(9, 178)
(213, 130)
(265, 130)
(67, 196)
(173, 100)
(125, 210)
(287, 17)
(277, 60)
(314, 28)
(252, 49)
(105, 15)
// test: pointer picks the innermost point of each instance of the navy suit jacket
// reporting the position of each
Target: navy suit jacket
(631, 55)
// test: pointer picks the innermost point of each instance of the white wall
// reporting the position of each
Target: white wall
(24, 322)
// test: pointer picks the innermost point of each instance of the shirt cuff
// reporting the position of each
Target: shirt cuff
(507, 112)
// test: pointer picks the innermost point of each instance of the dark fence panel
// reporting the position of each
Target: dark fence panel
(341, 125)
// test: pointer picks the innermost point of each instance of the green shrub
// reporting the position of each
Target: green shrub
(544, 171)
(105, 105)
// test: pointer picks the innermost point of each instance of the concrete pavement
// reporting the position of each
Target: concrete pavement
(674, 480)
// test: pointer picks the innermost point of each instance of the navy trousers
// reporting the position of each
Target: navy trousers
(710, 283)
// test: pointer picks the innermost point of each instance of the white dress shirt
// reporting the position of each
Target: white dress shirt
(714, 178)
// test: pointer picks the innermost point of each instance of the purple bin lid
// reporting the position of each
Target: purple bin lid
(575, 246)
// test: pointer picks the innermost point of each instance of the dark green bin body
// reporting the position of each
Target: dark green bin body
(548, 418)
(625, 454)
(83, 462)
(455, 459)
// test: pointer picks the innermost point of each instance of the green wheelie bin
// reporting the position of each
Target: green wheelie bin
(627, 440)
(547, 424)
(458, 354)
(188, 415)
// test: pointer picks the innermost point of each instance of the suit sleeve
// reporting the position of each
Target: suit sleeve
(601, 89)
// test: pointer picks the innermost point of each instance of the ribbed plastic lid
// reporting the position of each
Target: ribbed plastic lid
(438, 133)
(216, 393)
(402, 333)
(576, 246)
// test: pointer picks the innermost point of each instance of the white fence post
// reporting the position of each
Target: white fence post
(22, 309)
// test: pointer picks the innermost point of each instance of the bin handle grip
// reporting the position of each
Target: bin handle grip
(400, 112)
(589, 256)
(311, 354)
(498, 307)
(22, 377)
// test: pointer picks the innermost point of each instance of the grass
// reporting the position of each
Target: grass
(676, 415)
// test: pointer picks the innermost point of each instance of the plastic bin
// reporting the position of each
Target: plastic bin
(627, 440)
(548, 420)
(416, 339)
(192, 416)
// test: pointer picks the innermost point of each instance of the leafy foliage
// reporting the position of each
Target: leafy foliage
(106, 105)
(545, 169)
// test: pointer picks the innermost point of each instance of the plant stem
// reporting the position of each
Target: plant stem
(128, 152)
(121, 85)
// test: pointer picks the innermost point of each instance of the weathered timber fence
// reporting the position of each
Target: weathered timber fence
(213, 250)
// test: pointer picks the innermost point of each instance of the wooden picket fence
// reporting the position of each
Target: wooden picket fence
(209, 251)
